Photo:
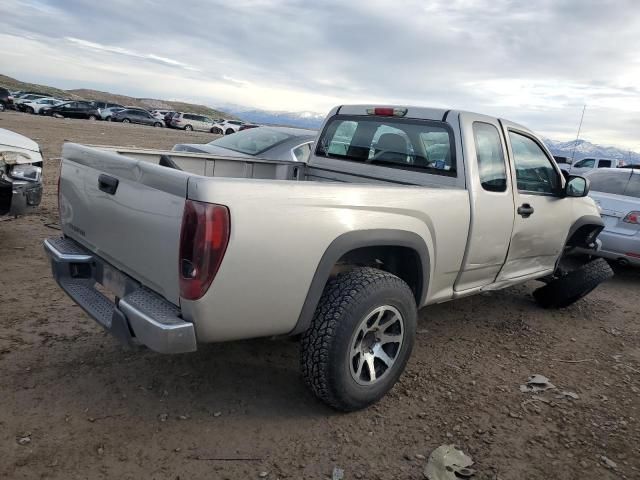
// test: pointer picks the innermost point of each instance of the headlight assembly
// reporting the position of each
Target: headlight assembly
(26, 172)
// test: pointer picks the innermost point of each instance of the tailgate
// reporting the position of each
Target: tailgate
(126, 211)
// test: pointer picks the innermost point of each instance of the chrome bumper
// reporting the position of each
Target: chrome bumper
(139, 316)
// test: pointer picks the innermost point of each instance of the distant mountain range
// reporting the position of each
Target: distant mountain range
(586, 149)
(310, 120)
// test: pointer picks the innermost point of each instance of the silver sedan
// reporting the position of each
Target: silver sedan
(617, 193)
(272, 143)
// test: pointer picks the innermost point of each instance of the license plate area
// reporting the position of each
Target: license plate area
(114, 280)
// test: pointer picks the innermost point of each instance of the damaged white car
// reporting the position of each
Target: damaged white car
(20, 173)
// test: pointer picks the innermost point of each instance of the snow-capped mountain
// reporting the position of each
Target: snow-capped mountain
(311, 120)
(586, 149)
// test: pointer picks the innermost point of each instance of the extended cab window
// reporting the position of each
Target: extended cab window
(604, 164)
(534, 171)
(491, 166)
(390, 142)
(586, 163)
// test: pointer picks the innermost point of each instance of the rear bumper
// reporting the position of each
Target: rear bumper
(139, 316)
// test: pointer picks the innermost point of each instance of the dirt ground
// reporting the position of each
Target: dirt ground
(76, 405)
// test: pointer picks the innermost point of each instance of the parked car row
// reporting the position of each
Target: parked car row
(43, 104)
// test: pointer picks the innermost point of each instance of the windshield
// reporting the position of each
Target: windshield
(390, 142)
(251, 142)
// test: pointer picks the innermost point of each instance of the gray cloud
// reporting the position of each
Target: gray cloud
(536, 61)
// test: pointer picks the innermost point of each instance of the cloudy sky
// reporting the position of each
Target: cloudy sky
(535, 62)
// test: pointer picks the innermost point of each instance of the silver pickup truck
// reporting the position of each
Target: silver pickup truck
(397, 208)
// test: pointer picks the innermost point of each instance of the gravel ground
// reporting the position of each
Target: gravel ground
(74, 404)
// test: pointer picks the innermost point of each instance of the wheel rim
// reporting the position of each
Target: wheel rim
(375, 345)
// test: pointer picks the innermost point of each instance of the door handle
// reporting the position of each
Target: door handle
(525, 210)
(107, 184)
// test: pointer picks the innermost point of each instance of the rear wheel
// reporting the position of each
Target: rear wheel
(573, 285)
(157, 124)
(108, 119)
(30, 110)
(360, 338)
(229, 131)
(188, 128)
(92, 117)
(126, 120)
(216, 130)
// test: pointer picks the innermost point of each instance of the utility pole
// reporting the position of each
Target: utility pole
(575, 144)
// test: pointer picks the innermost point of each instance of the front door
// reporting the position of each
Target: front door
(542, 215)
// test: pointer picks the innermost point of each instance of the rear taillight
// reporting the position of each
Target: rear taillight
(387, 111)
(632, 217)
(203, 241)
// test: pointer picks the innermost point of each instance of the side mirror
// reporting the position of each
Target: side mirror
(576, 187)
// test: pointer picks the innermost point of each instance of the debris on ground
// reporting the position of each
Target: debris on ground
(537, 383)
(25, 440)
(337, 474)
(448, 463)
(608, 462)
(568, 394)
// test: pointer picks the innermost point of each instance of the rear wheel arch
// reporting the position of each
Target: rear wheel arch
(400, 252)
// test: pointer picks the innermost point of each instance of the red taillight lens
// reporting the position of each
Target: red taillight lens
(387, 111)
(203, 241)
(632, 217)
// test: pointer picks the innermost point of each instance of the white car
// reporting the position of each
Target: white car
(35, 106)
(227, 127)
(20, 174)
(160, 114)
(107, 113)
(588, 164)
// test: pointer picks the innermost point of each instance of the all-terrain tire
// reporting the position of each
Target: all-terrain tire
(326, 345)
(574, 285)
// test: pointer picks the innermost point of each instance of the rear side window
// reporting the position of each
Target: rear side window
(490, 157)
(633, 187)
(418, 145)
(604, 164)
(610, 182)
(534, 171)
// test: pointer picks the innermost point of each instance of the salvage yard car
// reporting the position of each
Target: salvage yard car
(396, 208)
(274, 143)
(20, 173)
(617, 193)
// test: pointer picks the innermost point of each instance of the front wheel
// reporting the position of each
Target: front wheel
(126, 120)
(188, 128)
(157, 124)
(229, 131)
(360, 338)
(30, 110)
(571, 286)
(92, 117)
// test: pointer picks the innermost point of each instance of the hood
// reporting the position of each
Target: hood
(206, 148)
(12, 139)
